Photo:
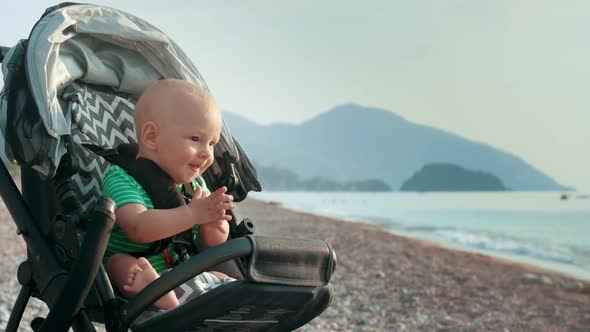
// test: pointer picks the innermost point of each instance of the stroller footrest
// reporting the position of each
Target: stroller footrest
(290, 261)
(242, 306)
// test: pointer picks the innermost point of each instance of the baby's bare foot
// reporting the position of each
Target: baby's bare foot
(138, 280)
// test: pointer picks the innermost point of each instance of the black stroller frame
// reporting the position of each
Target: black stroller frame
(283, 283)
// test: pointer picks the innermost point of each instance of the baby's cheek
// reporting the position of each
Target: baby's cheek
(209, 162)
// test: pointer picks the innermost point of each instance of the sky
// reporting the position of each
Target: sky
(512, 74)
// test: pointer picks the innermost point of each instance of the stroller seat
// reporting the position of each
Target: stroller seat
(70, 91)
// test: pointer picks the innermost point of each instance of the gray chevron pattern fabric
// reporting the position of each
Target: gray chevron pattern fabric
(102, 119)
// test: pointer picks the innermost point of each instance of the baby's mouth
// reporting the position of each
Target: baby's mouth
(195, 167)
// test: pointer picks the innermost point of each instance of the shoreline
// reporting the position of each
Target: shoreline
(389, 282)
(536, 268)
(529, 262)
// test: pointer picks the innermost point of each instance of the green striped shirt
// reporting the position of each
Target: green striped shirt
(124, 189)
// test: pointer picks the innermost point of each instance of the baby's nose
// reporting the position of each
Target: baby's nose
(205, 153)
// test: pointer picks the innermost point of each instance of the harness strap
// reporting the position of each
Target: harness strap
(160, 188)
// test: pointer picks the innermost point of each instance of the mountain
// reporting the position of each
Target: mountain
(275, 178)
(449, 177)
(351, 142)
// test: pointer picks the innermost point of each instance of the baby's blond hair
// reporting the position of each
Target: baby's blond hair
(156, 101)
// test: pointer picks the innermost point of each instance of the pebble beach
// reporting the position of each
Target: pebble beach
(386, 282)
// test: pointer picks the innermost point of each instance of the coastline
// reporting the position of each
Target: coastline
(527, 263)
(389, 282)
(519, 232)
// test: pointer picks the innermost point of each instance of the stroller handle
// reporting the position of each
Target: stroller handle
(3, 52)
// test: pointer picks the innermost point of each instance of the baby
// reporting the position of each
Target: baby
(177, 124)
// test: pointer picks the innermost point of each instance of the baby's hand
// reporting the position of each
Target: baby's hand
(211, 208)
(200, 193)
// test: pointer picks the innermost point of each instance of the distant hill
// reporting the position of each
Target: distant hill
(275, 178)
(351, 142)
(449, 177)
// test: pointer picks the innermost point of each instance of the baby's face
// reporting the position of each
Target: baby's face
(186, 139)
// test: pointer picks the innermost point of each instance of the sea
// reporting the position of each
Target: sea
(546, 229)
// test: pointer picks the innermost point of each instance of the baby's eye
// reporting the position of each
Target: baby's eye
(195, 138)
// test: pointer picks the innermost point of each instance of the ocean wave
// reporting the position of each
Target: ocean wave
(490, 242)
(562, 254)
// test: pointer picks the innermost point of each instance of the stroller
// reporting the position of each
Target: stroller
(69, 93)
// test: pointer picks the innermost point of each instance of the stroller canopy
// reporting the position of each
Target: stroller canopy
(90, 44)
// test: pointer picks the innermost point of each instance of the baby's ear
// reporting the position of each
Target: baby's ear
(149, 135)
